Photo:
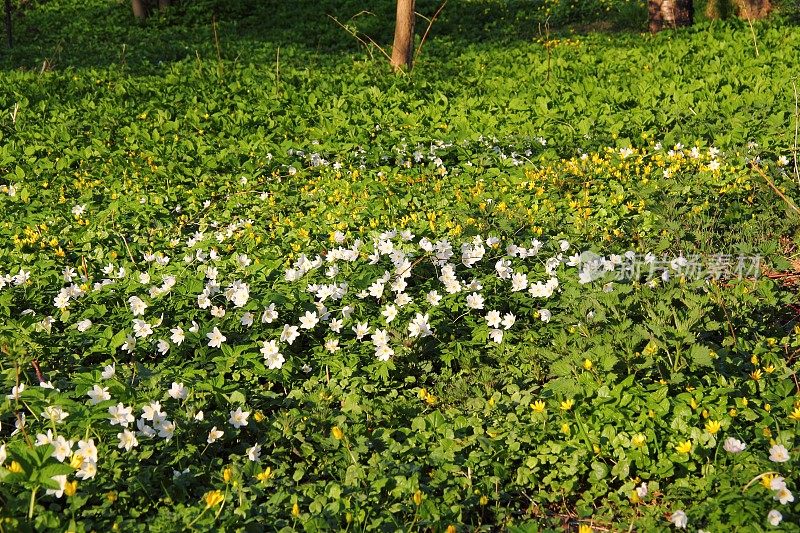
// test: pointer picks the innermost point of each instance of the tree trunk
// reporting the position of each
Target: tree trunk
(670, 14)
(403, 47)
(139, 9)
(753, 9)
(9, 33)
(719, 9)
(746, 9)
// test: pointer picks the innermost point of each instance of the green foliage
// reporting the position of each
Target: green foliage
(139, 181)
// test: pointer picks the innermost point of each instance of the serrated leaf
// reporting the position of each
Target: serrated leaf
(701, 355)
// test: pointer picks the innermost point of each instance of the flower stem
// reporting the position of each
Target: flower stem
(33, 502)
(198, 517)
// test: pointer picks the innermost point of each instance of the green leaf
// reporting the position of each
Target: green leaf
(701, 356)
(599, 471)
(46, 473)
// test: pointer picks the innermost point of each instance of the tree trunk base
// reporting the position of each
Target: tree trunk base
(139, 10)
(143, 8)
(746, 9)
(753, 9)
(403, 47)
(670, 14)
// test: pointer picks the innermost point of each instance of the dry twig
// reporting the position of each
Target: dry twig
(788, 201)
(430, 24)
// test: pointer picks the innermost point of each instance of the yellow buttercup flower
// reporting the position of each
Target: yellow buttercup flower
(638, 440)
(337, 433)
(756, 374)
(795, 415)
(76, 461)
(651, 349)
(712, 426)
(769, 369)
(538, 406)
(417, 498)
(586, 528)
(265, 475)
(227, 474)
(429, 398)
(684, 447)
(212, 498)
(565, 428)
(71, 487)
(258, 416)
(295, 510)
(587, 364)
(15, 468)
(566, 405)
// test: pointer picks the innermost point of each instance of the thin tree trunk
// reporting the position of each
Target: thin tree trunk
(670, 14)
(9, 32)
(139, 9)
(403, 47)
(719, 9)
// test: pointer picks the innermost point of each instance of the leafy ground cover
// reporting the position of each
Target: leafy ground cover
(541, 283)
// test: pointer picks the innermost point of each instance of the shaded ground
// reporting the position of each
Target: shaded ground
(57, 31)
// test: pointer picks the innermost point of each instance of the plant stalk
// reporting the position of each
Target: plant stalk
(33, 502)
